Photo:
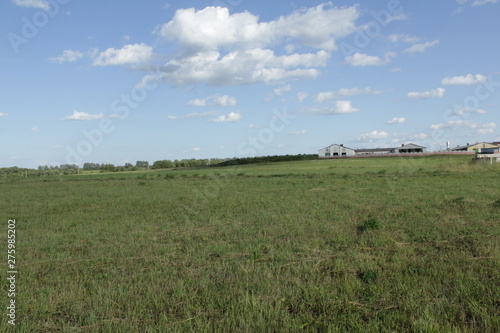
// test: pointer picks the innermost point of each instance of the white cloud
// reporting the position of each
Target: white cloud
(242, 67)
(420, 136)
(454, 123)
(362, 59)
(397, 17)
(281, 90)
(462, 111)
(34, 129)
(344, 92)
(301, 96)
(338, 107)
(374, 135)
(210, 28)
(465, 80)
(220, 48)
(278, 92)
(128, 55)
(231, 117)
(396, 70)
(487, 128)
(115, 116)
(396, 120)
(439, 92)
(41, 4)
(196, 149)
(421, 47)
(254, 126)
(195, 115)
(217, 100)
(198, 102)
(483, 2)
(83, 116)
(3, 114)
(403, 38)
(298, 132)
(67, 56)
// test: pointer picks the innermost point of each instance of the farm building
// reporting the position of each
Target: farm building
(335, 150)
(340, 150)
(373, 151)
(409, 148)
(476, 147)
(403, 149)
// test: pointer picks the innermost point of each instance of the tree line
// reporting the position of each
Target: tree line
(68, 169)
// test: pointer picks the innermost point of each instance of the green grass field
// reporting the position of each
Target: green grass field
(347, 245)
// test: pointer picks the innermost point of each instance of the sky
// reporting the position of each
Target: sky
(121, 81)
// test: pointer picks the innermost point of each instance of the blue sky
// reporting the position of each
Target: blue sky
(121, 81)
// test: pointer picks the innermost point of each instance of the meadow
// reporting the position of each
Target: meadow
(406, 244)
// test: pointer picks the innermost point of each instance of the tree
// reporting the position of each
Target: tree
(142, 164)
(163, 164)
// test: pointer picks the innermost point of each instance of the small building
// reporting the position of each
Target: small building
(409, 148)
(335, 151)
(476, 147)
(373, 151)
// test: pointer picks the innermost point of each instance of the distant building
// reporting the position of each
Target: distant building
(340, 150)
(408, 149)
(476, 147)
(335, 151)
(373, 151)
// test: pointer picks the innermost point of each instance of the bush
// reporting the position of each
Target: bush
(371, 224)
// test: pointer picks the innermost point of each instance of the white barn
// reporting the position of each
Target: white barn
(336, 151)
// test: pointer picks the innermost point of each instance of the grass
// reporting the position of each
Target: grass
(347, 245)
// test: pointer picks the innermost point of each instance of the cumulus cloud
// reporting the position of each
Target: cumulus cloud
(231, 117)
(403, 38)
(344, 92)
(301, 96)
(242, 67)
(41, 4)
(465, 80)
(130, 54)
(217, 100)
(221, 48)
(83, 116)
(362, 59)
(421, 47)
(483, 2)
(3, 114)
(487, 128)
(439, 92)
(396, 120)
(211, 28)
(195, 115)
(338, 107)
(373, 135)
(454, 123)
(298, 132)
(67, 56)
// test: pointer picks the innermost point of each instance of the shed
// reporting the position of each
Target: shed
(335, 150)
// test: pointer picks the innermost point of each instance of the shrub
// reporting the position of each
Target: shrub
(371, 224)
